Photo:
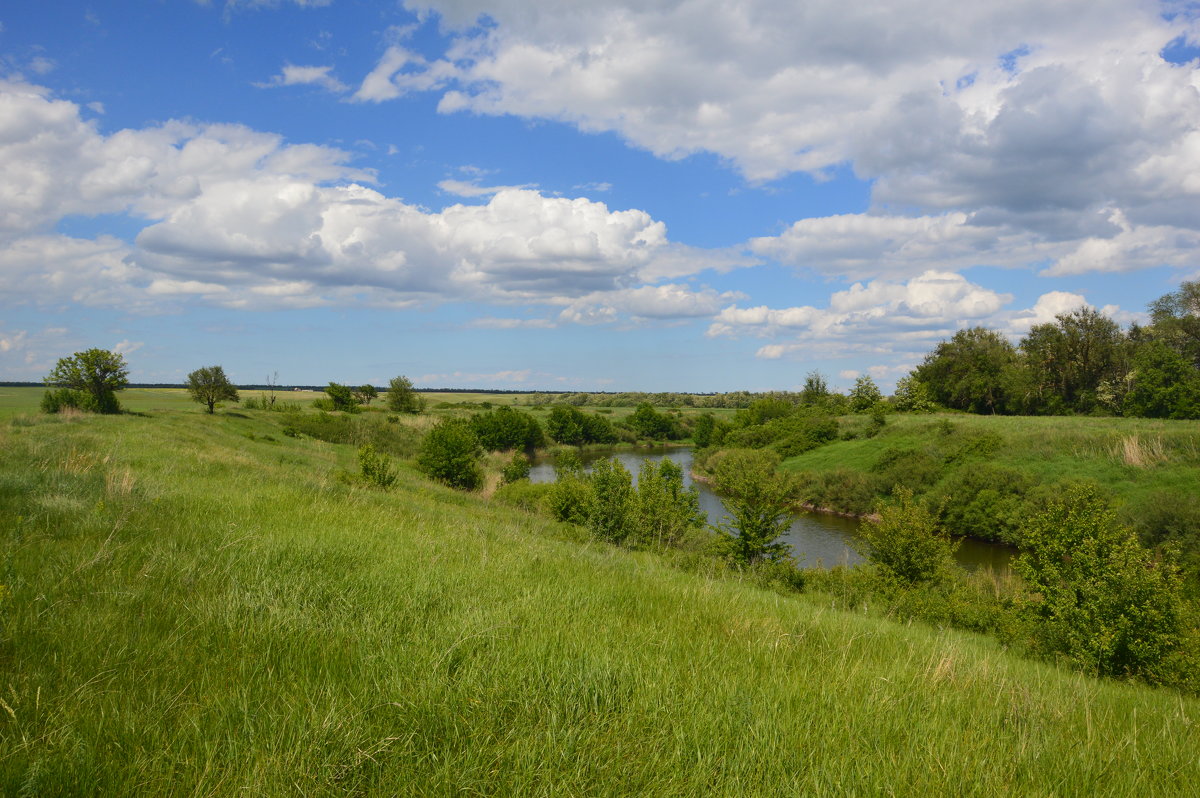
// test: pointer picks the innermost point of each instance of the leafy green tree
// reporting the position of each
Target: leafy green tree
(650, 424)
(341, 397)
(1175, 320)
(401, 398)
(565, 425)
(815, 390)
(1164, 384)
(665, 511)
(905, 545)
(758, 498)
(864, 395)
(450, 453)
(365, 394)
(1068, 359)
(704, 430)
(571, 426)
(611, 502)
(506, 428)
(968, 371)
(209, 385)
(97, 374)
(1096, 595)
(912, 396)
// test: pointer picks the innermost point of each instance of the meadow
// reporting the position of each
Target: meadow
(199, 604)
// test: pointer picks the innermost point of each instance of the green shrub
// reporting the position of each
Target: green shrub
(376, 468)
(57, 401)
(842, 490)
(569, 499)
(905, 544)
(506, 428)
(1097, 597)
(758, 498)
(665, 511)
(610, 507)
(451, 454)
(984, 501)
(516, 469)
(524, 494)
(912, 469)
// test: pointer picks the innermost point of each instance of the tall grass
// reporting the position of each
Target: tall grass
(192, 611)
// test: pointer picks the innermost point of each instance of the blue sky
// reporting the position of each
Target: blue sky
(696, 196)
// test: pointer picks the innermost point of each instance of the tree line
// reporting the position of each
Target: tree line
(1081, 363)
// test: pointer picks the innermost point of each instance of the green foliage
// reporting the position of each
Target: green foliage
(704, 430)
(865, 395)
(841, 489)
(905, 545)
(985, 501)
(1164, 384)
(341, 397)
(97, 373)
(610, 505)
(401, 398)
(569, 499)
(62, 399)
(815, 390)
(648, 423)
(356, 430)
(376, 468)
(505, 428)
(524, 495)
(914, 470)
(968, 372)
(1097, 596)
(1176, 318)
(1067, 360)
(209, 385)
(365, 394)
(912, 396)
(665, 511)
(516, 469)
(571, 426)
(451, 454)
(758, 498)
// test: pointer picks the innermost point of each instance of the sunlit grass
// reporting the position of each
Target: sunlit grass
(189, 609)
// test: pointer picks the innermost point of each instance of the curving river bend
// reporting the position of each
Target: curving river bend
(817, 539)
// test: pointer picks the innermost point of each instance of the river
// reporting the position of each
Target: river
(817, 539)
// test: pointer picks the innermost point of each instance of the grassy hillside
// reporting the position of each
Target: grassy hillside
(198, 604)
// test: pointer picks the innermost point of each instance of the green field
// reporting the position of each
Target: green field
(197, 604)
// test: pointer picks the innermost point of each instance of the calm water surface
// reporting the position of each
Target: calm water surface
(817, 539)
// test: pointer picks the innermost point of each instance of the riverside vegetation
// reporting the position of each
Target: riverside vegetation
(233, 603)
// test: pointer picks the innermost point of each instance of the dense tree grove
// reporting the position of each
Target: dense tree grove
(1082, 362)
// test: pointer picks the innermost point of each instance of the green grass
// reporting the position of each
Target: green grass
(191, 610)
(1131, 458)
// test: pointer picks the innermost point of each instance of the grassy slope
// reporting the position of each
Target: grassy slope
(195, 611)
(1048, 448)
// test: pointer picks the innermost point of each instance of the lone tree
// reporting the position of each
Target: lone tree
(402, 398)
(209, 385)
(97, 374)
